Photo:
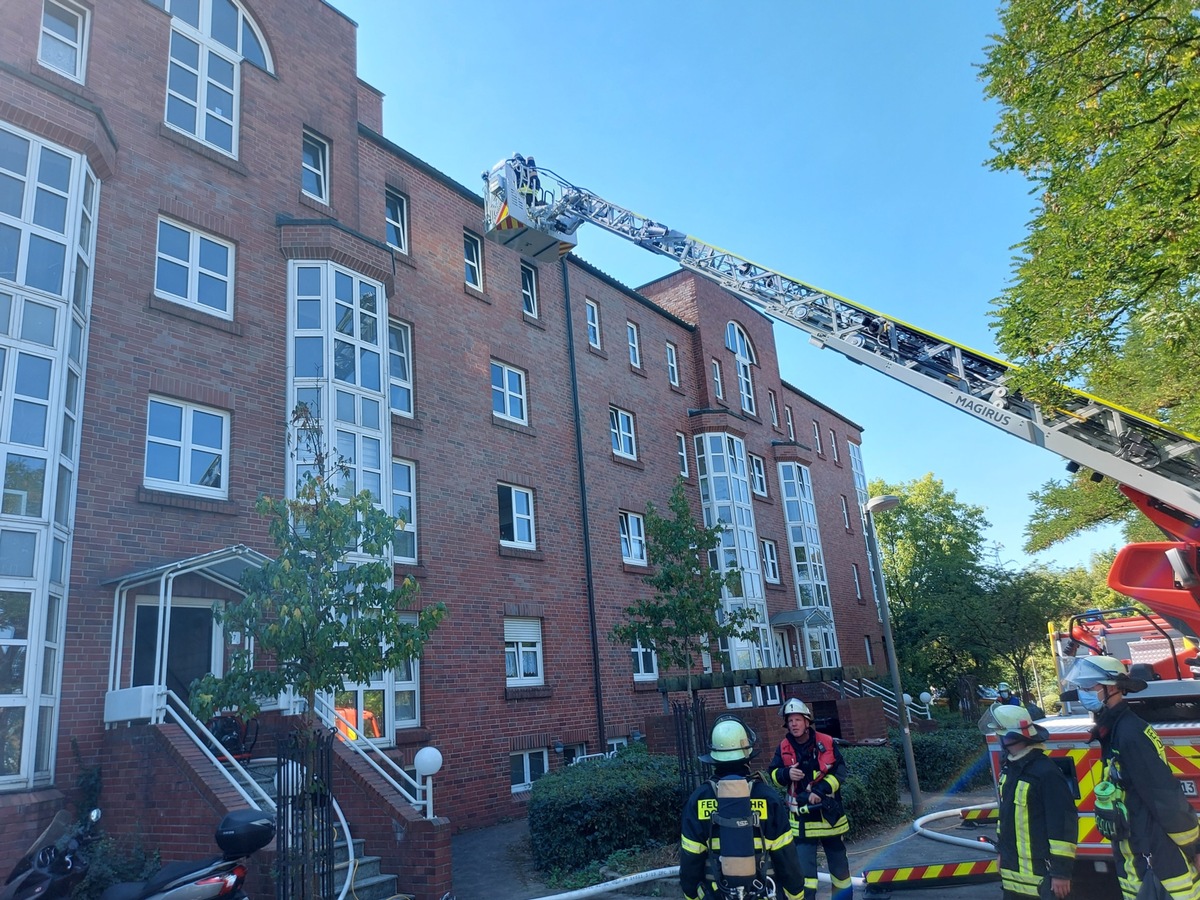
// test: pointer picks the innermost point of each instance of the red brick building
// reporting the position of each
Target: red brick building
(192, 241)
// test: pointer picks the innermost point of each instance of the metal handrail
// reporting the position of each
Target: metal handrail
(202, 738)
(887, 696)
(418, 796)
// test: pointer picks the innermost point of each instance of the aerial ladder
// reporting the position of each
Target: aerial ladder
(537, 213)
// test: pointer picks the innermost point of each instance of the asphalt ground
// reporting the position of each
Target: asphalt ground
(494, 863)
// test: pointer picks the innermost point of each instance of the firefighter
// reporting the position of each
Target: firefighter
(810, 767)
(1147, 818)
(734, 825)
(1038, 820)
(1005, 694)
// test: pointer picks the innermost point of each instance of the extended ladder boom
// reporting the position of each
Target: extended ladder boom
(1133, 449)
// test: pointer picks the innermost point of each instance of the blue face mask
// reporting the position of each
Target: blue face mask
(1091, 701)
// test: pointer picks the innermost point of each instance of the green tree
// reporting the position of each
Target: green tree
(325, 611)
(932, 546)
(685, 615)
(1099, 105)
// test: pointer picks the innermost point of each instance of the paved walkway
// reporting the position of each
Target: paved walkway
(493, 863)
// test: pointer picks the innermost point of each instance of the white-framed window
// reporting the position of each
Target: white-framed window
(64, 38)
(406, 694)
(396, 219)
(527, 767)
(472, 261)
(645, 663)
(681, 449)
(774, 409)
(817, 448)
(209, 40)
(508, 393)
(770, 556)
(635, 345)
(791, 427)
(833, 447)
(616, 743)
(620, 426)
(858, 594)
(400, 369)
(804, 534)
(314, 167)
(672, 364)
(187, 448)
(404, 507)
(758, 475)
(633, 538)
(194, 269)
(739, 344)
(593, 322)
(845, 512)
(523, 652)
(529, 290)
(718, 384)
(516, 516)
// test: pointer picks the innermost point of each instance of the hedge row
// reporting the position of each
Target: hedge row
(585, 813)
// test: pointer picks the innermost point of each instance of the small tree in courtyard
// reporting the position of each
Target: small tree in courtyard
(685, 614)
(325, 612)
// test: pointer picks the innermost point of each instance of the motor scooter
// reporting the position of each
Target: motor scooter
(55, 863)
(240, 834)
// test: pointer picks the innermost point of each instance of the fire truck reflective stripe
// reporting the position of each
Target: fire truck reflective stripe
(921, 876)
(979, 815)
(1183, 760)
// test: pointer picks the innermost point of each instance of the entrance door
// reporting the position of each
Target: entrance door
(191, 650)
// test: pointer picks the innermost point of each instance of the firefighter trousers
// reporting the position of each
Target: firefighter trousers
(835, 857)
(1172, 865)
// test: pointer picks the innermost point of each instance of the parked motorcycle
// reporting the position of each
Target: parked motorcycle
(55, 863)
(240, 834)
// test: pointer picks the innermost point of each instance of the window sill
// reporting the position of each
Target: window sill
(406, 421)
(404, 569)
(204, 150)
(645, 687)
(501, 422)
(414, 735)
(186, 501)
(520, 553)
(477, 293)
(317, 205)
(538, 692)
(533, 321)
(677, 389)
(402, 256)
(194, 314)
(626, 461)
(635, 568)
(596, 351)
(637, 370)
(774, 585)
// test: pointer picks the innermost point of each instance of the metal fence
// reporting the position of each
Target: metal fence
(305, 816)
(691, 740)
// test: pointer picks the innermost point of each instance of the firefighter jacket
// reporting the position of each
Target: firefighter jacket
(700, 839)
(825, 770)
(1038, 823)
(1161, 820)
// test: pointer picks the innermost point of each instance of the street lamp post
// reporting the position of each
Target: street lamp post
(874, 505)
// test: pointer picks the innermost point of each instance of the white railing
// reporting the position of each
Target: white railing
(417, 791)
(865, 687)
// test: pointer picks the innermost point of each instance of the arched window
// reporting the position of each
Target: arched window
(743, 354)
(209, 41)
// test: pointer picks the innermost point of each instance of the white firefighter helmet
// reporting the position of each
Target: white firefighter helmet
(1015, 724)
(1090, 671)
(793, 707)
(731, 741)
(1003, 688)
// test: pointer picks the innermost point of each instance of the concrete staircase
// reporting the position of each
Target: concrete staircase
(368, 882)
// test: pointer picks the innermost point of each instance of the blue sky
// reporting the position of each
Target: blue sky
(843, 144)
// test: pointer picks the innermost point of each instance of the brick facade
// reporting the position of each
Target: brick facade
(140, 344)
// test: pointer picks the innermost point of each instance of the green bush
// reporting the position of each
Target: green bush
(952, 761)
(111, 862)
(871, 792)
(584, 813)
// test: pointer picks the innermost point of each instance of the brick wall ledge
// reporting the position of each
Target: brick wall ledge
(182, 501)
(528, 693)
